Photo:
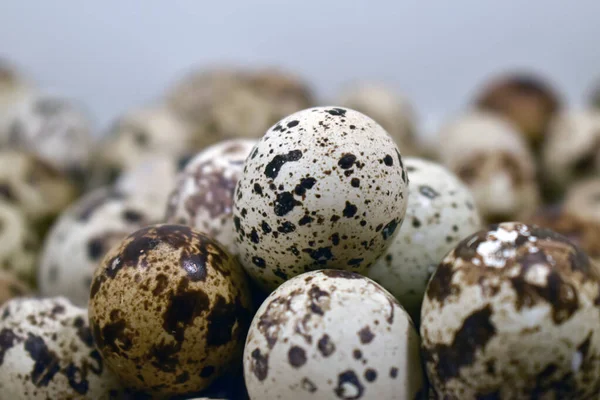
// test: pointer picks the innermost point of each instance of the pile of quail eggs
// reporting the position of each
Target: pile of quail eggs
(236, 239)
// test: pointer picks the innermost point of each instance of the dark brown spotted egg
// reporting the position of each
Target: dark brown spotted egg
(19, 244)
(55, 129)
(332, 334)
(441, 212)
(512, 313)
(169, 309)
(47, 352)
(203, 195)
(81, 237)
(324, 188)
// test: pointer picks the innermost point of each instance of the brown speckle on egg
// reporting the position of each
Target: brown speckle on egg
(187, 293)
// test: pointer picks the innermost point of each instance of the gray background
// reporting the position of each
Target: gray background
(114, 55)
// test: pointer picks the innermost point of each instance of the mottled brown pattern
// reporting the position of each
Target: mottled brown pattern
(192, 297)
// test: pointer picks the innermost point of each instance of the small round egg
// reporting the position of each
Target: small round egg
(571, 150)
(203, 196)
(34, 186)
(512, 313)
(441, 212)
(324, 188)
(169, 310)
(55, 129)
(19, 243)
(391, 110)
(139, 134)
(486, 152)
(583, 199)
(11, 287)
(47, 352)
(526, 99)
(83, 235)
(332, 334)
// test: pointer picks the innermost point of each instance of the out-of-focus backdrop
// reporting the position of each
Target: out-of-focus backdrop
(115, 55)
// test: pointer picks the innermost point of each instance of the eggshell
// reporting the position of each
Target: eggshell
(324, 188)
(332, 334)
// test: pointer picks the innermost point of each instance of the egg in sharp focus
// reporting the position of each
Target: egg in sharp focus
(47, 352)
(332, 334)
(203, 196)
(441, 212)
(83, 234)
(512, 312)
(169, 310)
(324, 188)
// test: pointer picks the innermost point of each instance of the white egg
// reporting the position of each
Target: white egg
(324, 188)
(441, 212)
(47, 352)
(82, 236)
(203, 196)
(332, 334)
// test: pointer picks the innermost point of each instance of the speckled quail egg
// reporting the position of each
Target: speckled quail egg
(11, 287)
(47, 352)
(512, 313)
(169, 310)
(141, 134)
(203, 196)
(227, 103)
(572, 149)
(153, 180)
(82, 236)
(487, 153)
(324, 188)
(583, 199)
(19, 243)
(391, 110)
(34, 186)
(55, 129)
(441, 212)
(526, 99)
(14, 88)
(332, 334)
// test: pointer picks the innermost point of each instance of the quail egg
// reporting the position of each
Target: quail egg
(512, 313)
(169, 309)
(47, 352)
(332, 334)
(324, 188)
(527, 100)
(19, 243)
(34, 186)
(487, 153)
(227, 103)
(583, 199)
(55, 129)
(11, 287)
(81, 237)
(389, 109)
(572, 149)
(441, 212)
(140, 134)
(203, 196)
